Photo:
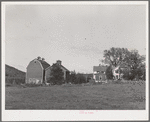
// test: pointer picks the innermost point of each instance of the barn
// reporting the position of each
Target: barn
(39, 71)
(36, 71)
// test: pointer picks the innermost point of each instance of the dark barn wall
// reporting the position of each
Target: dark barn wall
(47, 74)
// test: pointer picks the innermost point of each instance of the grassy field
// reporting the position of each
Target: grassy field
(124, 96)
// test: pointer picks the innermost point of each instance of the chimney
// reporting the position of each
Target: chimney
(58, 62)
(43, 59)
(39, 58)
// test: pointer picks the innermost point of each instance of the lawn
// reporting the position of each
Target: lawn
(111, 96)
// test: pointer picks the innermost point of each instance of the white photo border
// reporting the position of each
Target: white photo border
(66, 115)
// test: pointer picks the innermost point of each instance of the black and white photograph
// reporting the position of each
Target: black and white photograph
(75, 60)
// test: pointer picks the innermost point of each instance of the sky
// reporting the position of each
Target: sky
(75, 34)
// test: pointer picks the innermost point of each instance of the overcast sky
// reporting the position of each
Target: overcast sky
(75, 34)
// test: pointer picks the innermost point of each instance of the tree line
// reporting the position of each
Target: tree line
(134, 63)
(134, 67)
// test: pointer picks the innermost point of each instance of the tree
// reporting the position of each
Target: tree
(57, 75)
(76, 78)
(135, 64)
(109, 74)
(115, 56)
(143, 70)
(126, 75)
(72, 78)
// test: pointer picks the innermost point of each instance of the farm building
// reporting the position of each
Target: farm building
(36, 71)
(65, 70)
(99, 73)
(39, 71)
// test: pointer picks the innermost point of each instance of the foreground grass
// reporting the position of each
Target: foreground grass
(125, 96)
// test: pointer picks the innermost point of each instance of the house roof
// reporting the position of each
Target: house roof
(99, 68)
(44, 64)
(64, 68)
(61, 66)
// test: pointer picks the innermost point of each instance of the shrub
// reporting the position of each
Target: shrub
(15, 80)
(80, 79)
(76, 78)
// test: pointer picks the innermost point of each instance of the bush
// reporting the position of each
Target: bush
(76, 78)
(14, 80)
(80, 79)
(133, 74)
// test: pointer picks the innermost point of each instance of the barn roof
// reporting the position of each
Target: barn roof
(44, 64)
(99, 68)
